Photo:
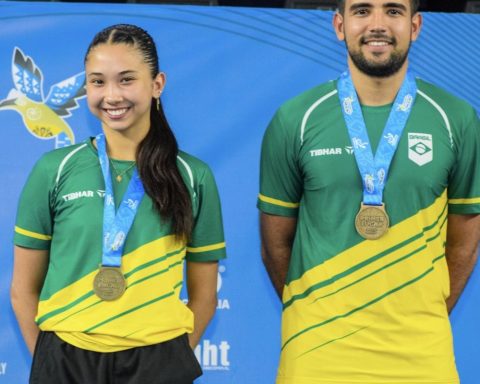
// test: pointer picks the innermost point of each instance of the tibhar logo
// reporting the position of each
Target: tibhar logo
(77, 195)
(3, 368)
(325, 152)
(213, 357)
(43, 116)
(420, 148)
(349, 150)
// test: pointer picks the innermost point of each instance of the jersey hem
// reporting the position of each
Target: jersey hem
(31, 243)
(463, 209)
(276, 210)
(69, 338)
(305, 380)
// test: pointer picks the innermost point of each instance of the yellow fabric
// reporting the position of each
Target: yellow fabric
(278, 202)
(154, 273)
(367, 303)
(35, 235)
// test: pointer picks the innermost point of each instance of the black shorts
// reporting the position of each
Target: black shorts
(57, 362)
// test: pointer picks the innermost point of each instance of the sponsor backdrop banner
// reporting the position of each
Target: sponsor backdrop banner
(228, 69)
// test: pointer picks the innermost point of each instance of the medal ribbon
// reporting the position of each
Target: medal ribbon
(116, 226)
(374, 170)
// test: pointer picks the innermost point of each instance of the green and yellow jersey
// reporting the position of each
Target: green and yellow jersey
(61, 210)
(369, 311)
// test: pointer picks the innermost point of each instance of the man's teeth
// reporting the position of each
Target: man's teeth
(116, 112)
(377, 43)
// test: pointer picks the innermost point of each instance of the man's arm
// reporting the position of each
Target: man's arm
(29, 269)
(277, 233)
(463, 235)
(202, 296)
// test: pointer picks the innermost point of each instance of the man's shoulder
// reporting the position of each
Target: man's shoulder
(441, 99)
(300, 104)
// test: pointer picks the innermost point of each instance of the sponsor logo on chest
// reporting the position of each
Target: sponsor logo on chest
(83, 194)
(335, 151)
(420, 148)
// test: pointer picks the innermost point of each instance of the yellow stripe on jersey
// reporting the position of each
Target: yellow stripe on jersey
(474, 200)
(206, 248)
(151, 271)
(400, 239)
(343, 301)
(35, 235)
(281, 203)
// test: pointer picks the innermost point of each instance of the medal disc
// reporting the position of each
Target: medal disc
(372, 221)
(109, 283)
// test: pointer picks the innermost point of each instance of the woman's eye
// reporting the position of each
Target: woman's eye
(96, 82)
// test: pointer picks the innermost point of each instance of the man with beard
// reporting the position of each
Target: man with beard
(369, 199)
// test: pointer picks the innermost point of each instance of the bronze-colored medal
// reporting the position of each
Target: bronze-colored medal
(109, 283)
(372, 221)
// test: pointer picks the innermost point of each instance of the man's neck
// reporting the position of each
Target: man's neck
(374, 91)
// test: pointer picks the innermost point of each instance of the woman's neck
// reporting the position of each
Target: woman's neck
(122, 145)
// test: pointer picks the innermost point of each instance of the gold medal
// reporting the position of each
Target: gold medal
(372, 221)
(109, 283)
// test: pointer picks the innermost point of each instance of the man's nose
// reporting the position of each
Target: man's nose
(378, 22)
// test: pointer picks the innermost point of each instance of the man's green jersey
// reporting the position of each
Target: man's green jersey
(369, 311)
(61, 211)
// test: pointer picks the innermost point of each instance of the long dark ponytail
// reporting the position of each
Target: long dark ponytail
(157, 153)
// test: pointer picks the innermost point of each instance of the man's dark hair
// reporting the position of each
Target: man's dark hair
(413, 3)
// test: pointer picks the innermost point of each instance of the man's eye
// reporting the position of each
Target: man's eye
(394, 12)
(361, 12)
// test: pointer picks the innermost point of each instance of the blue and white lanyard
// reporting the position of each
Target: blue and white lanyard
(116, 226)
(374, 170)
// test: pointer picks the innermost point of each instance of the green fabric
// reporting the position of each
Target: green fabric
(70, 210)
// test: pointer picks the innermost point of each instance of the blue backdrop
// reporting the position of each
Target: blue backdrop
(228, 69)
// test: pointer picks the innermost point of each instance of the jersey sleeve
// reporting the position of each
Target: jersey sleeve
(464, 183)
(280, 181)
(34, 222)
(207, 242)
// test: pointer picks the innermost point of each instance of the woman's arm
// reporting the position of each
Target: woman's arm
(202, 295)
(29, 269)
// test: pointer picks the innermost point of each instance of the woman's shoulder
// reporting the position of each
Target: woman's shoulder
(56, 158)
(195, 168)
(192, 161)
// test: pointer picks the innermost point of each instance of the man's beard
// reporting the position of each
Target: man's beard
(378, 69)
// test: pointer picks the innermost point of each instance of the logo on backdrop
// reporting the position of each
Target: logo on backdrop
(213, 357)
(44, 117)
(420, 148)
(222, 302)
(3, 368)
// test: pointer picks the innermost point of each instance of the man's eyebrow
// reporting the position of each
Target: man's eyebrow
(355, 6)
(401, 6)
(395, 5)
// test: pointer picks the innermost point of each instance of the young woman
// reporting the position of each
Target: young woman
(103, 230)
